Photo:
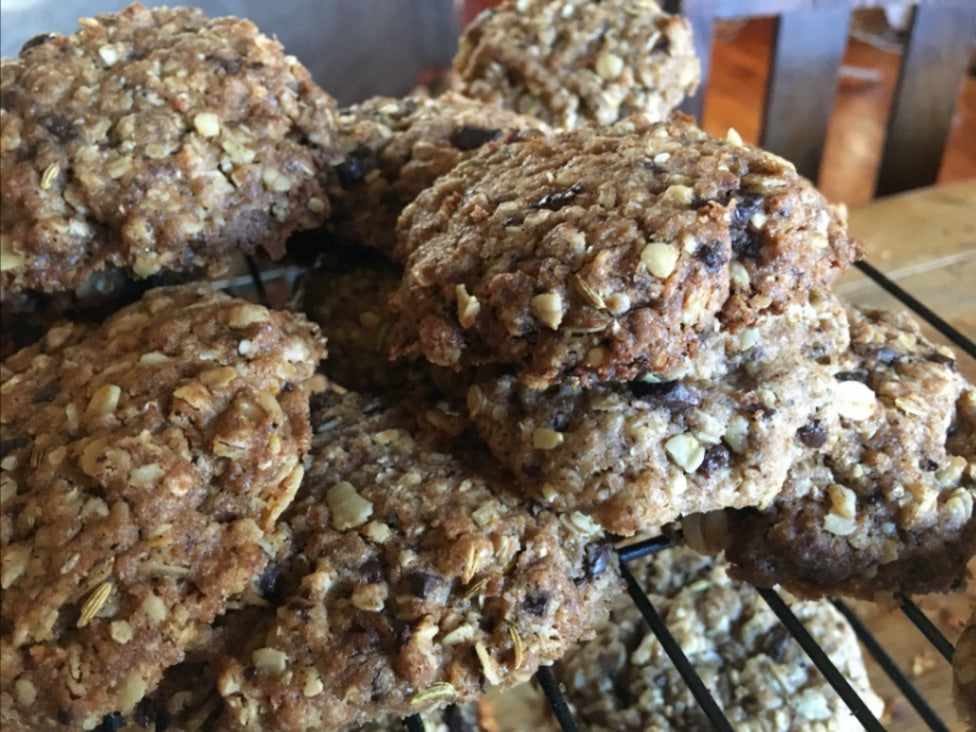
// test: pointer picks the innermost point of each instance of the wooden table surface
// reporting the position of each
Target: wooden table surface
(925, 241)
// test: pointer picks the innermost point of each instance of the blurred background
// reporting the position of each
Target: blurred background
(359, 48)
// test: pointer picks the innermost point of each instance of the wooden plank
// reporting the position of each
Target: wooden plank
(932, 70)
(808, 48)
(701, 17)
(916, 231)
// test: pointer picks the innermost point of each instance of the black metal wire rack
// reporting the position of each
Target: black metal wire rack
(713, 712)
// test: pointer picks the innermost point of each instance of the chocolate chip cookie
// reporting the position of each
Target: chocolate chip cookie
(575, 62)
(144, 463)
(395, 148)
(155, 140)
(603, 254)
(882, 500)
(418, 578)
(758, 674)
(639, 454)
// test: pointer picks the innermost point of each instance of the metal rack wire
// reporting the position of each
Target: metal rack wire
(563, 713)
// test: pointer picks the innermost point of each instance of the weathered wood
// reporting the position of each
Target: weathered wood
(808, 48)
(932, 70)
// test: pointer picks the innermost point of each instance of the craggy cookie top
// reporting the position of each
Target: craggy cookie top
(759, 675)
(143, 462)
(155, 140)
(964, 672)
(572, 62)
(417, 579)
(637, 455)
(882, 501)
(395, 148)
(604, 253)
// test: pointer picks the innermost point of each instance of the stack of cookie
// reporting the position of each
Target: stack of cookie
(549, 326)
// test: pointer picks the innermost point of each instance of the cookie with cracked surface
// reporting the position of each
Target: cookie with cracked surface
(395, 148)
(423, 577)
(964, 672)
(144, 462)
(155, 140)
(759, 675)
(605, 253)
(575, 62)
(882, 499)
(636, 455)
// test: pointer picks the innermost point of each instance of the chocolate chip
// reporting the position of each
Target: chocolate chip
(936, 357)
(471, 138)
(61, 128)
(46, 394)
(250, 673)
(861, 376)
(672, 394)
(555, 201)
(64, 716)
(928, 464)
(150, 713)
(13, 443)
(38, 40)
(421, 583)
(536, 604)
(716, 458)
(712, 256)
(268, 581)
(455, 721)
(111, 723)
(402, 635)
(813, 434)
(745, 243)
(358, 163)
(776, 643)
(596, 559)
(371, 571)
(230, 66)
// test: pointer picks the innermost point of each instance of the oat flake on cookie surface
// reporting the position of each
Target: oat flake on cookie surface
(605, 253)
(144, 462)
(155, 140)
(417, 578)
(881, 500)
(575, 62)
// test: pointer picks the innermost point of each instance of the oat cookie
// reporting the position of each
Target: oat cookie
(602, 254)
(395, 148)
(573, 62)
(759, 675)
(639, 454)
(144, 462)
(154, 140)
(882, 501)
(964, 672)
(420, 578)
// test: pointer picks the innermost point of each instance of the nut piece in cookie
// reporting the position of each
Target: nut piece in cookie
(881, 499)
(144, 463)
(395, 148)
(418, 579)
(574, 62)
(623, 680)
(155, 140)
(605, 253)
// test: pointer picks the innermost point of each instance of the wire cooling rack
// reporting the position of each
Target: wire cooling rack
(712, 710)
